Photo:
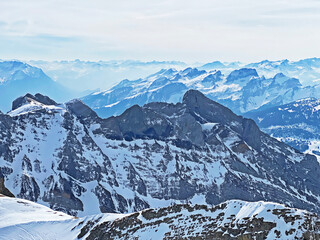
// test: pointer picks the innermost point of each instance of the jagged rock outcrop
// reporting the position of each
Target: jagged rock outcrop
(227, 221)
(3, 190)
(195, 151)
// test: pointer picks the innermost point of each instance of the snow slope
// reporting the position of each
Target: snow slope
(15, 211)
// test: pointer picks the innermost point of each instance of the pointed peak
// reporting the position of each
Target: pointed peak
(132, 111)
(242, 73)
(192, 95)
(279, 75)
(213, 65)
(192, 72)
(81, 110)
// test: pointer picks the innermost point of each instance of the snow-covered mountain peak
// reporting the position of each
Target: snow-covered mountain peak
(36, 99)
(214, 65)
(243, 90)
(295, 123)
(279, 75)
(192, 72)
(18, 78)
(243, 73)
(31, 103)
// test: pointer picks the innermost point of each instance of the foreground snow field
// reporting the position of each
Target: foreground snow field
(234, 219)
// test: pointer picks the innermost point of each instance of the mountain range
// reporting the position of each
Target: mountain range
(197, 151)
(307, 70)
(242, 90)
(155, 157)
(89, 75)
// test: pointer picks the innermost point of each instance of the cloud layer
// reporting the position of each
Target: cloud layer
(202, 30)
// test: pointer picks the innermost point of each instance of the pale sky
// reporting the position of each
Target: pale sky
(202, 30)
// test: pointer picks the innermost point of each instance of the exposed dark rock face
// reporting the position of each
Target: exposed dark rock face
(3, 189)
(194, 151)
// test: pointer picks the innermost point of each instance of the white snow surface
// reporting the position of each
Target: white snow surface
(33, 106)
(15, 211)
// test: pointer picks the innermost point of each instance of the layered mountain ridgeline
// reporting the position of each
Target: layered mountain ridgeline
(18, 78)
(242, 90)
(307, 70)
(229, 220)
(195, 151)
(84, 75)
(296, 124)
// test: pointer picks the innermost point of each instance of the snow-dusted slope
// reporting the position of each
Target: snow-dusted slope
(229, 220)
(197, 151)
(242, 90)
(296, 123)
